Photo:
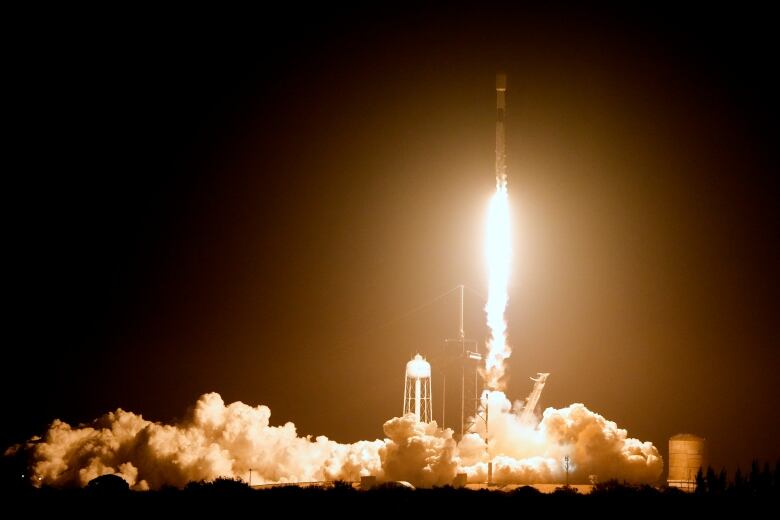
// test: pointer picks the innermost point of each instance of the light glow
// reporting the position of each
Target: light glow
(498, 253)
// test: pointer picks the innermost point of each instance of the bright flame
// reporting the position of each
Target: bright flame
(498, 251)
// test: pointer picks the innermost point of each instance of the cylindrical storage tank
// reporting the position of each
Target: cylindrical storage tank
(418, 368)
(686, 455)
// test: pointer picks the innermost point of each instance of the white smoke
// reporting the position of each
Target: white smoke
(418, 452)
(530, 453)
(218, 440)
(214, 440)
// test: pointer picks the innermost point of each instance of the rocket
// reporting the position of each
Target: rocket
(500, 135)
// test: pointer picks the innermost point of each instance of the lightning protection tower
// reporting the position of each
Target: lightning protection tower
(462, 359)
(417, 389)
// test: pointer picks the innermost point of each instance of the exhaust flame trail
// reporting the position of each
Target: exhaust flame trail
(498, 251)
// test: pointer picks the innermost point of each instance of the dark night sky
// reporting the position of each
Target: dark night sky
(250, 205)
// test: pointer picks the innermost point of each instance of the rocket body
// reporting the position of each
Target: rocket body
(500, 134)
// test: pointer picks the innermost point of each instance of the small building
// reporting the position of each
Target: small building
(367, 482)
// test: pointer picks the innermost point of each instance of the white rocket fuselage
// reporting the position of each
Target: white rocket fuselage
(500, 134)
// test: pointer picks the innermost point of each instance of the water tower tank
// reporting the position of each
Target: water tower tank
(686, 456)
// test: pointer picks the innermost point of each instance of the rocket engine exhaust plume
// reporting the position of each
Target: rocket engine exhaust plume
(498, 251)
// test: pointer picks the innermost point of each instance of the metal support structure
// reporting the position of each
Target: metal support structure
(487, 442)
(533, 398)
(469, 358)
(462, 298)
(443, 396)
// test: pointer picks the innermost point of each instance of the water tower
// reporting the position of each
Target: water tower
(687, 454)
(417, 389)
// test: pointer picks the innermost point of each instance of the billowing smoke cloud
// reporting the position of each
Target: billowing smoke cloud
(213, 440)
(418, 452)
(527, 452)
(219, 440)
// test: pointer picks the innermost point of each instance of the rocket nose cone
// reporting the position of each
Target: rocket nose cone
(500, 81)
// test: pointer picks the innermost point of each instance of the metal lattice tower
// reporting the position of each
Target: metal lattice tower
(465, 353)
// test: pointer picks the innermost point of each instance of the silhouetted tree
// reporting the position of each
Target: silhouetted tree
(766, 479)
(701, 483)
(673, 491)
(526, 491)
(754, 480)
(712, 481)
(566, 491)
(194, 486)
(738, 486)
(108, 484)
(722, 482)
(776, 479)
(212, 499)
(230, 485)
(609, 487)
(342, 486)
(219, 486)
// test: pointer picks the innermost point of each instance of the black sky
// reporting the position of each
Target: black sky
(246, 204)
